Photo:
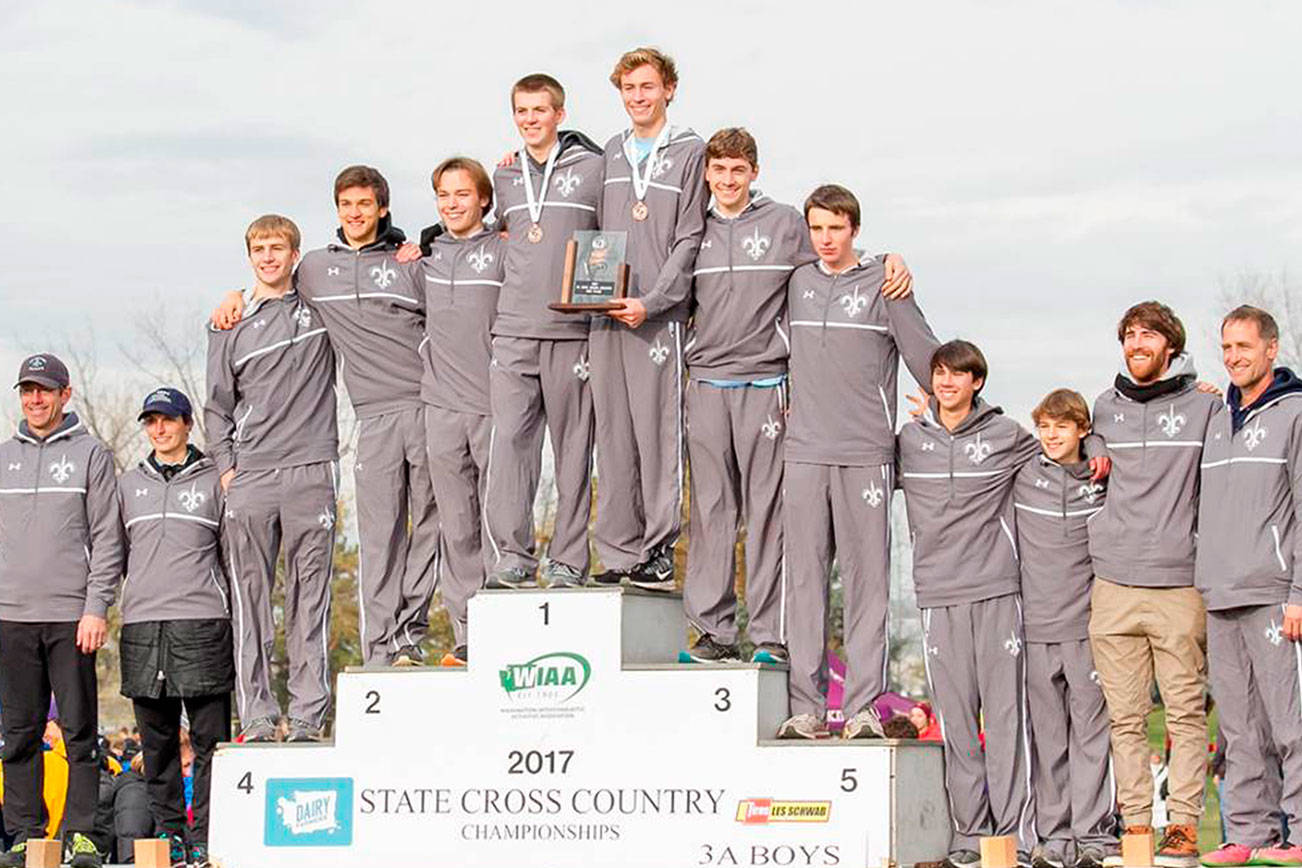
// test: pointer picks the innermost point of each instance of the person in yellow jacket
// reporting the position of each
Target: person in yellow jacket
(56, 777)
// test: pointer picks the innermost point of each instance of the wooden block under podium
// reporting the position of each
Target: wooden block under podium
(1137, 850)
(999, 851)
(153, 853)
(45, 853)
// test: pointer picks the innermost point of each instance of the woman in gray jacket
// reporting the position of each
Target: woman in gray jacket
(176, 630)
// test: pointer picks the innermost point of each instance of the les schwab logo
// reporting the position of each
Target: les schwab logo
(755, 812)
(556, 677)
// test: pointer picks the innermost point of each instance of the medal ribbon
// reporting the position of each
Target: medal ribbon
(535, 203)
(643, 182)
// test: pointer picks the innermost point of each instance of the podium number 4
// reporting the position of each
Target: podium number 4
(246, 783)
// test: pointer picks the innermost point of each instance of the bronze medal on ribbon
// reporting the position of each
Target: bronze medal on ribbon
(640, 211)
(535, 233)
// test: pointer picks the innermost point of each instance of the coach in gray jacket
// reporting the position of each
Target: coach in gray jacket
(1249, 570)
(176, 628)
(61, 538)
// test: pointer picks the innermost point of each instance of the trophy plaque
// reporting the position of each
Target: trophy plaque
(596, 273)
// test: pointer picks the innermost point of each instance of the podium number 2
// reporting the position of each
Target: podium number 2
(373, 705)
(849, 780)
(722, 699)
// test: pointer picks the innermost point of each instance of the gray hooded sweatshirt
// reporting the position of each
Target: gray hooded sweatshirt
(1144, 537)
(958, 489)
(1054, 502)
(60, 526)
(1249, 534)
(534, 271)
(174, 566)
(374, 311)
(662, 248)
(463, 277)
(740, 291)
(846, 343)
(271, 389)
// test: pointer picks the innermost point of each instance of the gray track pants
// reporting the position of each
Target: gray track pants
(1074, 790)
(457, 444)
(265, 508)
(1254, 676)
(398, 568)
(535, 382)
(734, 444)
(637, 393)
(977, 672)
(842, 513)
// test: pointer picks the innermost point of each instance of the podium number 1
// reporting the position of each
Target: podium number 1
(547, 613)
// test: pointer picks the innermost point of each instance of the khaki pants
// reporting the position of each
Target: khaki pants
(1137, 633)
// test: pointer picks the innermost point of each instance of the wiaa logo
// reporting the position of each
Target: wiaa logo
(557, 677)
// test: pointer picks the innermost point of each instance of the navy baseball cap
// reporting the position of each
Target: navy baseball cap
(167, 401)
(43, 369)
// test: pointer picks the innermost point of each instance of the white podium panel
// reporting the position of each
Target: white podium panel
(571, 740)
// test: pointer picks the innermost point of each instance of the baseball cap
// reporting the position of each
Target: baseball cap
(43, 369)
(168, 401)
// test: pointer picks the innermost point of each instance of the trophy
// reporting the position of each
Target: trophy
(596, 273)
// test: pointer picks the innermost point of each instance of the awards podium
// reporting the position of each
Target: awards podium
(573, 739)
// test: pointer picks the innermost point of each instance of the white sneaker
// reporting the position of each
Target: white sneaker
(802, 726)
(865, 724)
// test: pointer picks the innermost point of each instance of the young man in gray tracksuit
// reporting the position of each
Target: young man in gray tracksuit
(273, 437)
(372, 307)
(1146, 618)
(540, 371)
(1249, 571)
(176, 641)
(957, 465)
(736, 402)
(463, 277)
(847, 340)
(1054, 498)
(61, 538)
(655, 191)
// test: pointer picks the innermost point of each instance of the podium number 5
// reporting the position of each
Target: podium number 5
(722, 699)
(849, 780)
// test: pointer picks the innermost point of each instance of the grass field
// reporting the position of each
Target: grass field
(1209, 830)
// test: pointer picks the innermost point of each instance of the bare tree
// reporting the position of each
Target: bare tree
(170, 349)
(106, 404)
(1276, 292)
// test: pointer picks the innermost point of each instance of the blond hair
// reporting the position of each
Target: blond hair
(272, 226)
(645, 56)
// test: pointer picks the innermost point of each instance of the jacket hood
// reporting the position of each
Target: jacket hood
(575, 138)
(758, 203)
(194, 461)
(70, 427)
(1181, 366)
(1284, 383)
(981, 413)
(437, 234)
(386, 235)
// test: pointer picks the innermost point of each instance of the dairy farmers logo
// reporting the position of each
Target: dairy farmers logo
(309, 812)
(553, 678)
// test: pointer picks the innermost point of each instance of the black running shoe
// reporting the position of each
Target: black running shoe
(656, 573)
(706, 650)
(609, 579)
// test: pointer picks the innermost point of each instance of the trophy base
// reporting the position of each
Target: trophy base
(584, 307)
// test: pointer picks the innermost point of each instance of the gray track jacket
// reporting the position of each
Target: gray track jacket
(740, 291)
(661, 249)
(1249, 534)
(958, 490)
(374, 311)
(1144, 537)
(534, 271)
(1053, 503)
(60, 528)
(271, 389)
(462, 280)
(174, 568)
(846, 343)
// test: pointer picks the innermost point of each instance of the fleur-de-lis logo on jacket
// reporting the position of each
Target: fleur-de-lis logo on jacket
(771, 428)
(1274, 633)
(659, 352)
(755, 245)
(383, 275)
(1013, 644)
(480, 259)
(582, 369)
(978, 450)
(1171, 422)
(567, 181)
(303, 316)
(192, 498)
(1253, 436)
(872, 495)
(664, 163)
(326, 520)
(853, 302)
(61, 470)
(1090, 491)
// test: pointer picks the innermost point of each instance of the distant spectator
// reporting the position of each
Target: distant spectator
(924, 722)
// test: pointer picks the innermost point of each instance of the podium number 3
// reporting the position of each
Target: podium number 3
(722, 699)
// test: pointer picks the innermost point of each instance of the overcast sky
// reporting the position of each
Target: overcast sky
(1039, 164)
